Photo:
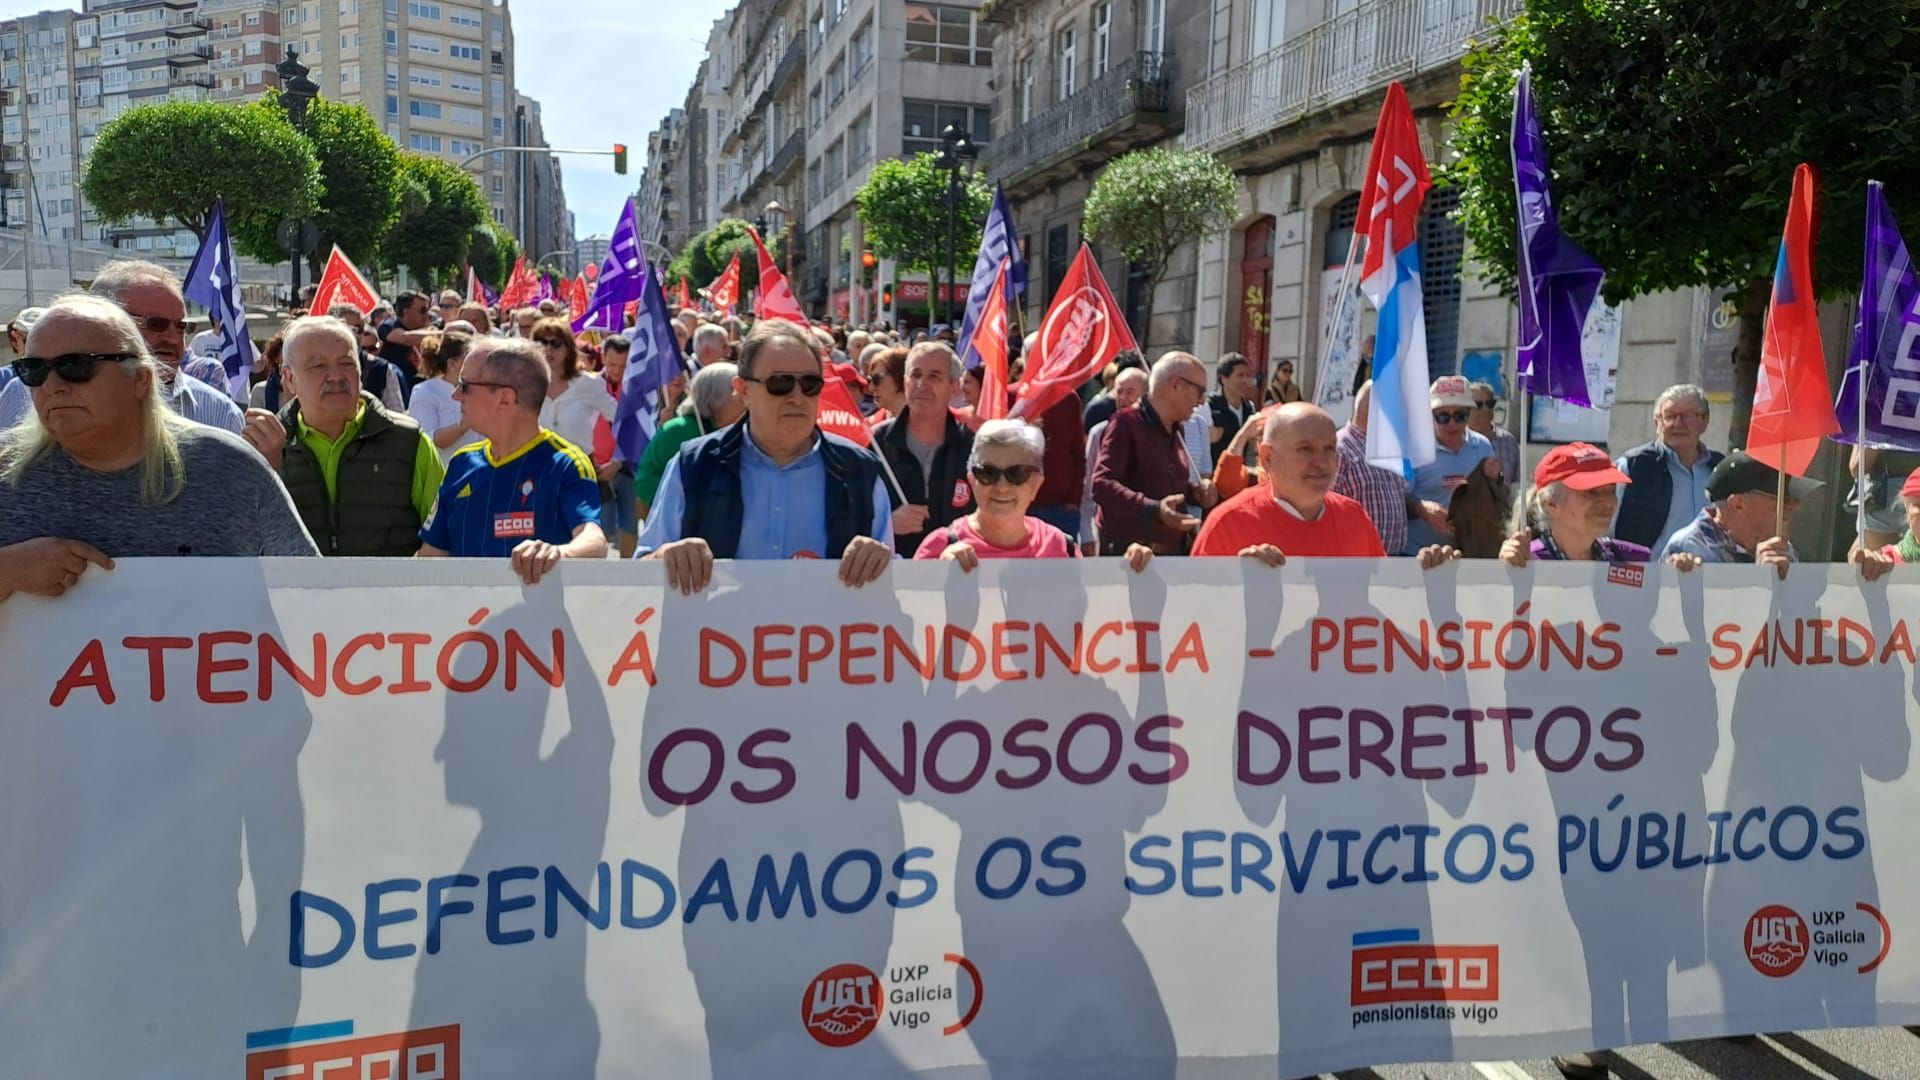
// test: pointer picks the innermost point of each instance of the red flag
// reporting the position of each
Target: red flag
(725, 290)
(838, 414)
(519, 287)
(577, 294)
(776, 296)
(1082, 332)
(686, 301)
(1792, 405)
(990, 341)
(341, 283)
(474, 295)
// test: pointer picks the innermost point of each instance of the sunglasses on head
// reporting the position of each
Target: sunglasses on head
(71, 367)
(160, 324)
(989, 475)
(782, 384)
(1451, 416)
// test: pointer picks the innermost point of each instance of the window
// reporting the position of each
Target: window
(813, 182)
(350, 41)
(429, 110)
(393, 77)
(1056, 259)
(428, 144)
(253, 48)
(499, 216)
(949, 35)
(499, 182)
(1156, 26)
(468, 19)
(836, 163)
(417, 10)
(464, 52)
(393, 41)
(253, 19)
(817, 29)
(1026, 89)
(814, 110)
(464, 147)
(1064, 43)
(465, 84)
(393, 105)
(860, 139)
(861, 51)
(499, 128)
(424, 77)
(467, 116)
(1102, 38)
(423, 43)
(923, 121)
(836, 83)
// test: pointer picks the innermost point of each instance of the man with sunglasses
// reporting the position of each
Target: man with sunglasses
(927, 446)
(151, 294)
(773, 486)
(1142, 475)
(524, 492)
(1458, 451)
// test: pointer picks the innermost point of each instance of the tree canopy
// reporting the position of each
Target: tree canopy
(440, 208)
(711, 251)
(170, 160)
(903, 207)
(492, 252)
(1147, 203)
(1674, 130)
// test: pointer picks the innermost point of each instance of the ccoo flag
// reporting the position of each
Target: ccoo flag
(653, 360)
(213, 284)
(725, 290)
(997, 246)
(341, 283)
(775, 300)
(1399, 430)
(1886, 342)
(1790, 414)
(1081, 333)
(1557, 279)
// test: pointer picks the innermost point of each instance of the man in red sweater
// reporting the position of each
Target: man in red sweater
(1295, 510)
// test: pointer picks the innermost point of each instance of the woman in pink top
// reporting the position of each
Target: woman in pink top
(1004, 471)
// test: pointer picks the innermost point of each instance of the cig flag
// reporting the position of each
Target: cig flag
(1885, 361)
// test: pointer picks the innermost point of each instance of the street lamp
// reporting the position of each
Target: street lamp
(957, 151)
(776, 218)
(296, 93)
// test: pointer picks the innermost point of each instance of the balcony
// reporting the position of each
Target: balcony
(788, 155)
(204, 82)
(1348, 56)
(1131, 104)
(185, 56)
(189, 27)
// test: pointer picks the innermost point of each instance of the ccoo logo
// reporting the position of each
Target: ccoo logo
(1776, 941)
(1077, 328)
(841, 1005)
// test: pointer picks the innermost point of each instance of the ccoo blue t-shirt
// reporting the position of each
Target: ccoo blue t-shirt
(542, 491)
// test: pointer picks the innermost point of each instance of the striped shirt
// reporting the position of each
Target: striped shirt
(189, 397)
(487, 506)
(208, 369)
(1381, 493)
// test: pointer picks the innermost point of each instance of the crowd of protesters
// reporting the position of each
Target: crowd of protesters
(419, 429)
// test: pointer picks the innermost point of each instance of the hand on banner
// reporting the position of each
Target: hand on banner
(908, 520)
(1873, 565)
(1269, 554)
(1138, 556)
(1434, 556)
(689, 564)
(1686, 562)
(1517, 547)
(1206, 495)
(1775, 552)
(1173, 517)
(1435, 515)
(265, 433)
(864, 560)
(533, 558)
(47, 566)
(961, 553)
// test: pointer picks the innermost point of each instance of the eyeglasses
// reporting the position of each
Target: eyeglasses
(71, 367)
(159, 324)
(1197, 387)
(549, 343)
(1451, 416)
(465, 385)
(1483, 404)
(782, 384)
(989, 475)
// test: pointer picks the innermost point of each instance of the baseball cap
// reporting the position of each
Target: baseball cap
(1911, 489)
(1450, 391)
(1738, 474)
(1580, 466)
(850, 375)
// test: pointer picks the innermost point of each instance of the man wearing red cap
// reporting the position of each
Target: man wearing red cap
(1570, 510)
(1907, 549)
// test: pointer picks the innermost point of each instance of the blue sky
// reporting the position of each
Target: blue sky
(604, 71)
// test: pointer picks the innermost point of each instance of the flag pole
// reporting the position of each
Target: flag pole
(892, 480)
(1860, 457)
(1780, 496)
(1339, 313)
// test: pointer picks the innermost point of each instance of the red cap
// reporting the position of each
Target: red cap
(1580, 466)
(1911, 489)
(850, 375)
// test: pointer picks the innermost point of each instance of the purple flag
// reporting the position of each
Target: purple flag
(653, 360)
(622, 276)
(997, 242)
(1558, 280)
(1886, 342)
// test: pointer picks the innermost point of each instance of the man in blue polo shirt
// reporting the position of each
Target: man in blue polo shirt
(524, 492)
(1457, 452)
(771, 486)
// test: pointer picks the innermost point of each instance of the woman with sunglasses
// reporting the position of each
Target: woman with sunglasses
(574, 397)
(1004, 471)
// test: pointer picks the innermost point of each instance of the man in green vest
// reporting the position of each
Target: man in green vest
(363, 478)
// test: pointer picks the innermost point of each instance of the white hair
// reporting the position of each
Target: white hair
(707, 332)
(1169, 367)
(163, 473)
(953, 358)
(709, 389)
(1011, 433)
(1681, 392)
(316, 326)
(115, 278)
(1530, 510)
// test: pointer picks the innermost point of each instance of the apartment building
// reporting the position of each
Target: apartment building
(661, 206)
(245, 37)
(540, 217)
(761, 151)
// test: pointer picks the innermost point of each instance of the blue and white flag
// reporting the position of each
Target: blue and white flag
(213, 283)
(1400, 427)
(653, 360)
(622, 277)
(997, 242)
(1879, 402)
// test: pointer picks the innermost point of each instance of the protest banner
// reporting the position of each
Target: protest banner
(1046, 817)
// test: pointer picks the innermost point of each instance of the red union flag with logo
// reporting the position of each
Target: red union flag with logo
(1082, 333)
(1792, 404)
(838, 414)
(725, 290)
(341, 283)
(776, 296)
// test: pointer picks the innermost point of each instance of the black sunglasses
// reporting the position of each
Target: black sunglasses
(989, 475)
(782, 384)
(1483, 404)
(71, 367)
(160, 324)
(468, 384)
(1453, 416)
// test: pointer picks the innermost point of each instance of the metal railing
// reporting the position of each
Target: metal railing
(1140, 83)
(1344, 57)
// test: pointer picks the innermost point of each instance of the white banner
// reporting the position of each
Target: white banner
(408, 819)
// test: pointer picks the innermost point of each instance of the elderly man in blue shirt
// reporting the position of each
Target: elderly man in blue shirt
(773, 485)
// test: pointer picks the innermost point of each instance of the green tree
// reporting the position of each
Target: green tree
(440, 207)
(169, 161)
(903, 208)
(492, 253)
(359, 173)
(1147, 203)
(1674, 129)
(682, 267)
(714, 249)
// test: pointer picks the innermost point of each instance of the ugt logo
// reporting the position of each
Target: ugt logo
(842, 1005)
(1776, 941)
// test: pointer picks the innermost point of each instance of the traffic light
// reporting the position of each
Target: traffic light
(620, 158)
(886, 296)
